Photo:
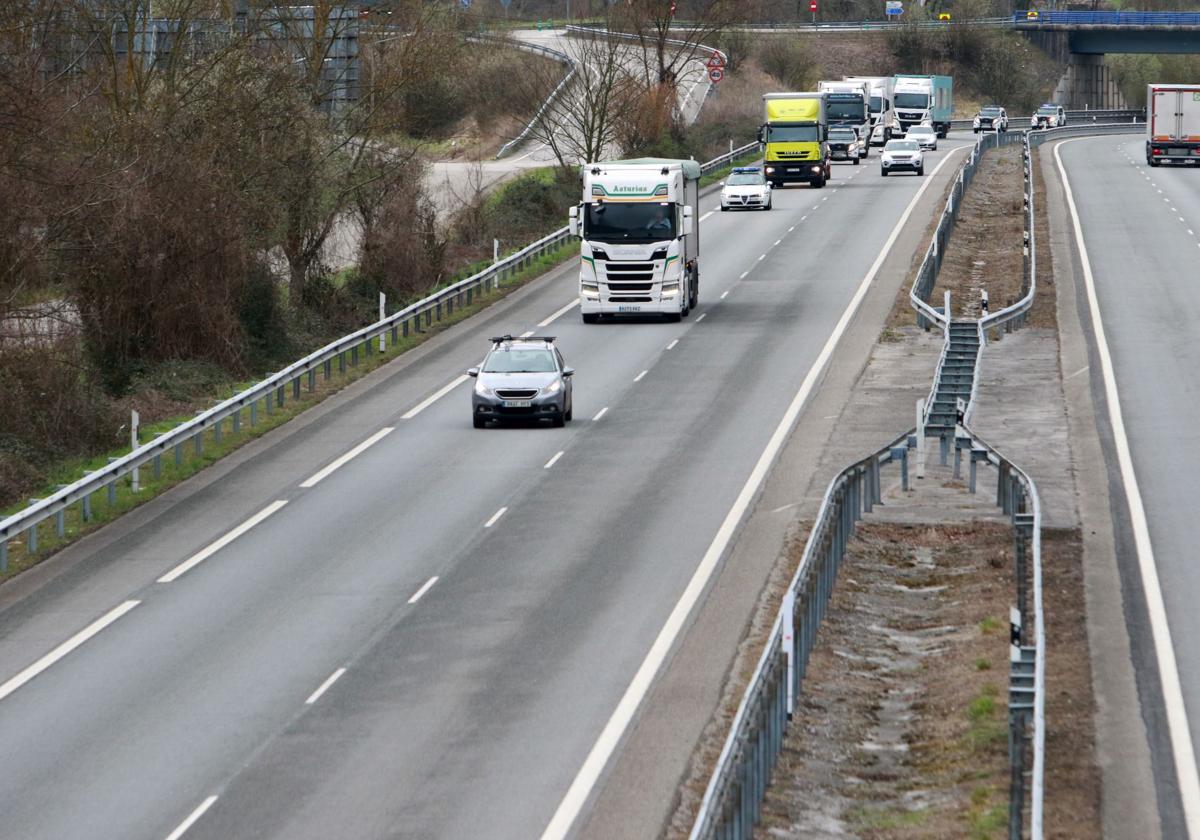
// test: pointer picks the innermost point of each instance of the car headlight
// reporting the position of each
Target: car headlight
(553, 388)
(483, 390)
(976, 123)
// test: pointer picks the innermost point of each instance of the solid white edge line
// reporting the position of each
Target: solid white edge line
(349, 456)
(437, 395)
(553, 460)
(1160, 630)
(706, 215)
(593, 766)
(638, 378)
(559, 313)
(66, 647)
(424, 588)
(191, 820)
(600, 414)
(495, 517)
(215, 546)
(671, 346)
(323, 687)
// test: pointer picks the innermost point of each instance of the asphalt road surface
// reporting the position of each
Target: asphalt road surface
(488, 593)
(1141, 230)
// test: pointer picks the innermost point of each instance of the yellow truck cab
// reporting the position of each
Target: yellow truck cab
(794, 136)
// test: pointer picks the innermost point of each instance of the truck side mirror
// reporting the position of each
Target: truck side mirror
(573, 220)
(688, 221)
(762, 134)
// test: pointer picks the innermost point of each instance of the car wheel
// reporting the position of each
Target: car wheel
(590, 319)
(558, 421)
(768, 207)
(883, 172)
(935, 147)
(724, 208)
(570, 413)
(920, 170)
(856, 160)
(478, 421)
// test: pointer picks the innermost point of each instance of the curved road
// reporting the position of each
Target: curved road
(282, 663)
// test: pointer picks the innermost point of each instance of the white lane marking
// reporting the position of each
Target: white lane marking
(792, 228)
(191, 820)
(777, 241)
(553, 460)
(1181, 219)
(802, 218)
(441, 392)
(671, 346)
(826, 198)
(425, 587)
(762, 257)
(349, 456)
(1083, 369)
(816, 206)
(1168, 671)
(559, 313)
(638, 378)
(212, 548)
(593, 766)
(323, 687)
(66, 647)
(1191, 232)
(726, 292)
(703, 315)
(742, 277)
(527, 333)
(495, 517)
(600, 414)
(706, 215)
(782, 508)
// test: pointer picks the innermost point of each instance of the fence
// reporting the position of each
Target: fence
(1126, 115)
(550, 100)
(1044, 17)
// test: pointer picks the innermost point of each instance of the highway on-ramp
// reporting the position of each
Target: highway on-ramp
(378, 621)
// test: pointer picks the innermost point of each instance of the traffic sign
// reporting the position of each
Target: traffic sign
(716, 74)
(894, 7)
(716, 59)
(812, 5)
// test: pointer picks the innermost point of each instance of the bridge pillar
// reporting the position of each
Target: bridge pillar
(1088, 84)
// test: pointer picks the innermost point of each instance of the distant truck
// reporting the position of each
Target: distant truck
(1172, 123)
(848, 104)
(883, 112)
(640, 238)
(924, 99)
(794, 139)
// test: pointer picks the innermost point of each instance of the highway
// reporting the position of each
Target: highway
(428, 639)
(1140, 228)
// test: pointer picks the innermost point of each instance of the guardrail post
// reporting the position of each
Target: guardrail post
(382, 315)
(217, 431)
(3, 556)
(899, 453)
(31, 545)
(198, 442)
(279, 395)
(312, 378)
(354, 356)
(236, 421)
(86, 511)
(788, 609)
(178, 454)
(253, 415)
(60, 520)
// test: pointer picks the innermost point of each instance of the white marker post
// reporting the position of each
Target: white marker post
(789, 647)
(921, 438)
(495, 251)
(133, 444)
(382, 315)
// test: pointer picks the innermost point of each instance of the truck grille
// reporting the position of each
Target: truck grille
(625, 278)
(516, 393)
(792, 155)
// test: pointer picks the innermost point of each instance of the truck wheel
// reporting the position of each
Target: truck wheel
(818, 182)
(590, 319)
(694, 293)
(674, 317)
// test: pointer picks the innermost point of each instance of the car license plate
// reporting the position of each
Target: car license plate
(517, 403)
(629, 309)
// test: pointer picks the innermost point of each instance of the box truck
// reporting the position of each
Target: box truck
(883, 114)
(794, 139)
(924, 99)
(1172, 123)
(848, 104)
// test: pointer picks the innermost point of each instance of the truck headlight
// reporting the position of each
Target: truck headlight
(590, 292)
(670, 289)
(770, 170)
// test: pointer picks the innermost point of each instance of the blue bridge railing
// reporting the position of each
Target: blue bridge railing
(1043, 16)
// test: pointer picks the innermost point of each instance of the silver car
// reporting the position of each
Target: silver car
(925, 136)
(522, 379)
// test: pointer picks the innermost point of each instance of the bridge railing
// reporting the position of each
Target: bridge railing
(1035, 17)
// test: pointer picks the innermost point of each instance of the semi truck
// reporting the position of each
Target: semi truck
(924, 99)
(883, 114)
(794, 139)
(1172, 123)
(640, 233)
(849, 104)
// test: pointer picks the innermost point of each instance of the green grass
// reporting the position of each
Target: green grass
(984, 713)
(984, 819)
(212, 450)
(982, 664)
(886, 819)
(989, 625)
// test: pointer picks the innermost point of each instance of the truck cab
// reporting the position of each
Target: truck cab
(924, 99)
(640, 238)
(794, 137)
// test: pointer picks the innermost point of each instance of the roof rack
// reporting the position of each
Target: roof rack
(497, 339)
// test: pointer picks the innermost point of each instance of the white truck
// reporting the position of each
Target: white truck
(1172, 123)
(924, 99)
(640, 232)
(848, 105)
(883, 111)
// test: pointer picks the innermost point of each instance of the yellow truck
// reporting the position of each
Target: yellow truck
(794, 137)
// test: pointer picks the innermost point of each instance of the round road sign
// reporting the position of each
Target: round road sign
(716, 74)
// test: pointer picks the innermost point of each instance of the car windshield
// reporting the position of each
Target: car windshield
(793, 133)
(509, 359)
(842, 136)
(920, 129)
(912, 100)
(641, 221)
(745, 179)
(901, 146)
(1048, 109)
(990, 112)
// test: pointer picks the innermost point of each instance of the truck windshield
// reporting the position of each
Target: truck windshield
(876, 104)
(852, 111)
(793, 133)
(634, 222)
(912, 100)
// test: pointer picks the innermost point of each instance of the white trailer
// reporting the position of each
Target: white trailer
(848, 103)
(882, 107)
(640, 234)
(1172, 124)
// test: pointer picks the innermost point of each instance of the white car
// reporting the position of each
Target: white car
(746, 189)
(878, 135)
(902, 154)
(1048, 116)
(925, 136)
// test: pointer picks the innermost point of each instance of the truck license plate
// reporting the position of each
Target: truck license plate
(793, 169)
(517, 403)
(629, 309)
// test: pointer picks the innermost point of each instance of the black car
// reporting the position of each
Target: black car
(522, 379)
(844, 144)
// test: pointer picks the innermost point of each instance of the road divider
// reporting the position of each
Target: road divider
(349, 456)
(435, 396)
(202, 555)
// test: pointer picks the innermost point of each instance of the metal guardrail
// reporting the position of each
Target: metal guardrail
(1039, 17)
(1130, 115)
(728, 158)
(594, 31)
(562, 85)
(271, 392)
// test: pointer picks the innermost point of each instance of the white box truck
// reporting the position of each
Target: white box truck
(1172, 123)
(883, 112)
(924, 99)
(640, 232)
(848, 104)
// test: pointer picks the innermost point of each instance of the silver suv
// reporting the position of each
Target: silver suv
(522, 379)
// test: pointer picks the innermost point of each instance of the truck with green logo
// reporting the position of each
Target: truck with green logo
(639, 227)
(794, 136)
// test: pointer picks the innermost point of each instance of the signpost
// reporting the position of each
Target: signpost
(894, 8)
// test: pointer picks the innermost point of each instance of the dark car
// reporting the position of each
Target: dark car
(990, 118)
(522, 379)
(844, 144)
